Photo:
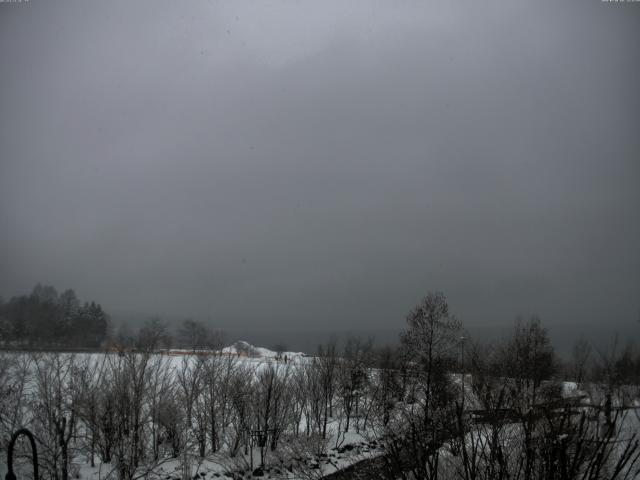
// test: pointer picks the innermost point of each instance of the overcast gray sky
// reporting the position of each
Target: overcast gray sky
(323, 164)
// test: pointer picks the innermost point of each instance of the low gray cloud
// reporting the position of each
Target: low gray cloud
(306, 164)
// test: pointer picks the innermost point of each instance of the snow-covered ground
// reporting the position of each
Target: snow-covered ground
(282, 464)
(291, 460)
(244, 348)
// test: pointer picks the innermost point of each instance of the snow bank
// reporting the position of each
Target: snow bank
(243, 348)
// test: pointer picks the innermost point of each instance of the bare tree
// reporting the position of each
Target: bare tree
(128, 412)
(272, 405)
(327, 366)
(215, 407)
(415, 434)
(529, 359)
(240, 387)
(195, 335)
(315, 385)
(580, 358)
(58, 391)
(188, 379)
(92, 378)
(153, 335)
(353, 377)
(15, 374)
(159, 386)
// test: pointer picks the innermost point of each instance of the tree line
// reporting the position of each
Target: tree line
(504, 410)
(48, 319)
(439, 404)
(45, 318)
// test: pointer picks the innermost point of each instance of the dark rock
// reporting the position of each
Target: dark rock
(258, 472)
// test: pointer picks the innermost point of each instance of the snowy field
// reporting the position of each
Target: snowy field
(303, 454)
(205, 414)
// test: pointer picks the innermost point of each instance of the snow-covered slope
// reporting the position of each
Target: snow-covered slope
(242, 347)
